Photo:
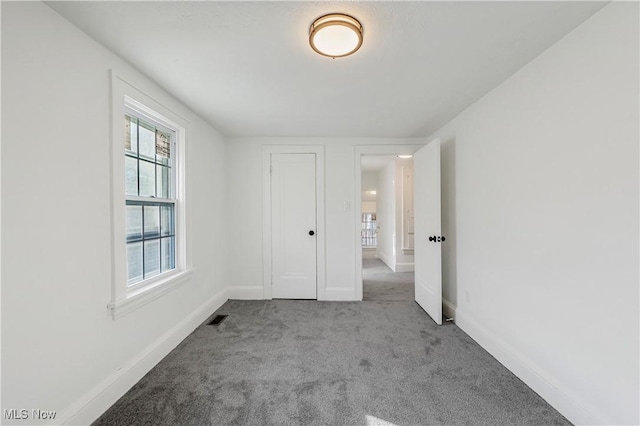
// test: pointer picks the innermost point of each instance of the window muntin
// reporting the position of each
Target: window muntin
(150, 199)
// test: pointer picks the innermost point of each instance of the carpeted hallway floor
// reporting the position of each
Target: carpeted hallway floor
(380, 283)
(288, 362)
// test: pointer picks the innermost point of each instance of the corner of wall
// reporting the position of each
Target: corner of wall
(390, 261)
(255, 292)
(562, 398)
(98, 400)
(449, 309)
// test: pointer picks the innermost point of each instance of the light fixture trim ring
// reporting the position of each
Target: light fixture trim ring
(324, 21)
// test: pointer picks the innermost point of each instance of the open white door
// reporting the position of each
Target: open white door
(428, 253)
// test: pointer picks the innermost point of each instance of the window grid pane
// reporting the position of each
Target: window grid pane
(131, 175)
(167, 251)
(147, 178)
(151, 258)
(150, 225)
(162, 181)
(148, 164)
(134, 263)
(166, 221)
(368, 235)
(134, 223)
(151, 222)
(146, 141)
(150, 239)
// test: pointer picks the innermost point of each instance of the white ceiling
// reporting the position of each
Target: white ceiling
(368, 196)
(247, 68)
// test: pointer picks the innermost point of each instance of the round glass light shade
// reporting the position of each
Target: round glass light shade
(335, 35)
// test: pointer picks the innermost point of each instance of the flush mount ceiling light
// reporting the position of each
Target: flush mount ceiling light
(405, 156)
(335, 35)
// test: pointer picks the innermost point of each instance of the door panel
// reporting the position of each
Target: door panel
(293, 216)
(428, 254)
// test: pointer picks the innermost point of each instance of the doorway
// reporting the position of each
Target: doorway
(372, 263)
(427, 234)
(387, 227)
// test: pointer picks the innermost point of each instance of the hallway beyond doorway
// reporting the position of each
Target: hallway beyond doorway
(381, 284)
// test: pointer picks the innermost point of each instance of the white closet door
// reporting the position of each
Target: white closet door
(293, 226)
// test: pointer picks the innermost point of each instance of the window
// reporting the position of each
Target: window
(369, 231)
(150, 199)
(149, 214)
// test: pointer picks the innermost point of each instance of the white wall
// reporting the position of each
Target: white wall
(389, 206)
(541, 210)
(369, 181)
(60, 346)
(244, 166)
(404, 259)
(386, 215)
(369, 206)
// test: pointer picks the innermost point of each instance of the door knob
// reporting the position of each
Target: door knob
(311, 233)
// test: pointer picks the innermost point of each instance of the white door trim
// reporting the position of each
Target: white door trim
(361, 150)
(267, 150)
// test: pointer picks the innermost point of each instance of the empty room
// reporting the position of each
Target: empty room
(330, 213)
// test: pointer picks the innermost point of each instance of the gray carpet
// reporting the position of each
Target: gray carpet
(380, 283)
(285, 362)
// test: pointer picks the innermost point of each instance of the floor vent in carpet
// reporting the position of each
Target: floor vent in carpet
(217, 320)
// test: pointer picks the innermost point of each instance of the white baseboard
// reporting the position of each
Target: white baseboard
(556, 394)
(404, 267)
(88, 408)
(339, 294)
(448, 308)
(388, 260)
(369, 253)
(255, 292)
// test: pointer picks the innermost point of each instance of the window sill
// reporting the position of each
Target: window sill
(136, 298)
(407, 251)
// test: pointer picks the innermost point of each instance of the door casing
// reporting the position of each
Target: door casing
(359, 151)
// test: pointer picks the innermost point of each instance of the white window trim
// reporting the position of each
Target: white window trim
(126, 98)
